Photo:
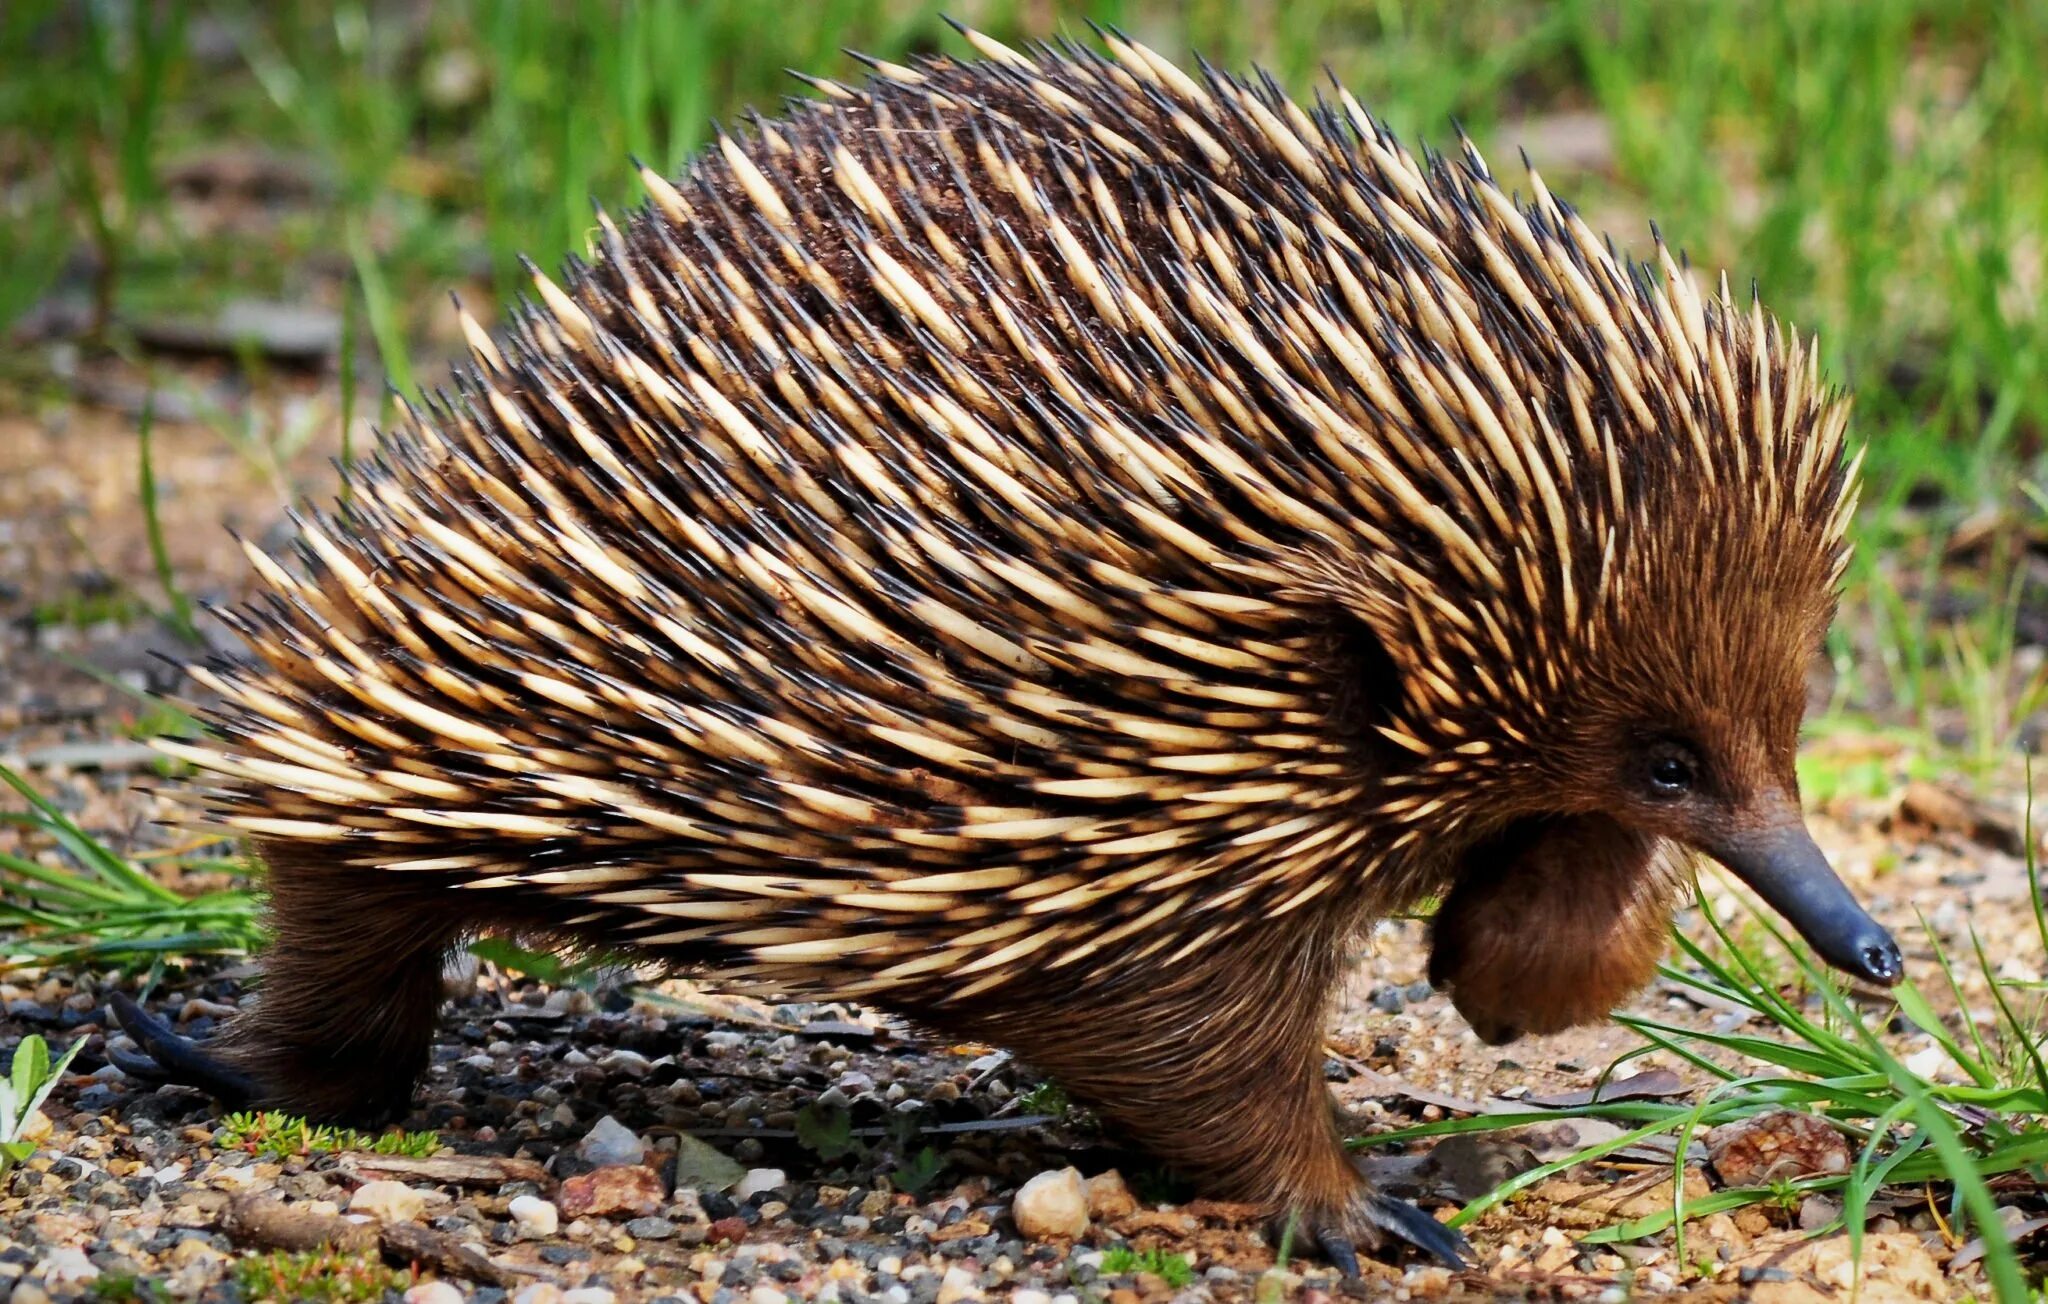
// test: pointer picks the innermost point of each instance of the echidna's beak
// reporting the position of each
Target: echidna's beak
(1793, 877)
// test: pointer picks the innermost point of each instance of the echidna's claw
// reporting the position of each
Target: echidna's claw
(1337, 1248)
(1371, 1220)
(168, 1057)
(1418, 1229)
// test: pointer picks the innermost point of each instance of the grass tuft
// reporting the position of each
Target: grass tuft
(88, 905)
(1174, 1269)
(280, 1136)
(320, 1276)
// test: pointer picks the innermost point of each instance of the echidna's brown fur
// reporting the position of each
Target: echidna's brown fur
(1051, 546)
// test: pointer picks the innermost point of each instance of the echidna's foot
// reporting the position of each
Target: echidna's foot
(168, 1057)
(1368, 1222)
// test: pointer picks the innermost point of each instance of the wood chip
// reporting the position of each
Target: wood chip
(1649, 1085)
(270, 1224)
(452, 1170)
(410, 1243)
(1943, 810)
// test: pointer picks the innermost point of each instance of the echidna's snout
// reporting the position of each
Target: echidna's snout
(1784, 866)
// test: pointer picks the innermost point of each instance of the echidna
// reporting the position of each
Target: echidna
(1053, 546)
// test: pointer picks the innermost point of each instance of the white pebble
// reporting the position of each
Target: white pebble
(629, 1062)
(756, 1181)
(533, 1216)
(959, 1286)
(1927, 1062)
(588, 1295)
(611, 1142)
(433, 1292)
(568, 1001)
(66, 1270)
(766, 1294)
(541, 1292)
(1054, 1203)
(1026, 1295)
(388, 1201)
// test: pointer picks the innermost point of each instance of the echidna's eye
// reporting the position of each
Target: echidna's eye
(1671, 775)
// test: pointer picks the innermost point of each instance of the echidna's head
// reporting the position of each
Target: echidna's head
(1611, 665)
(1682, 720)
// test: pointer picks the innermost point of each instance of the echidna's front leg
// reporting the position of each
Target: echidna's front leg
(1219, 1074)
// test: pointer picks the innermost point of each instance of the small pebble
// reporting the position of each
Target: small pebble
(1109, 1197)
(588, 1295)
(66, 1270)
(958, 1286)
(1054, 1203)
(388, 1201)
(533, 1216)
(611, 1142)
(756, 1181)
(651, 1229)
(630, 1063)
(433, 1292)
(1816, 1212)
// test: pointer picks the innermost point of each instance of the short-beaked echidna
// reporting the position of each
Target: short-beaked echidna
(1053, 547)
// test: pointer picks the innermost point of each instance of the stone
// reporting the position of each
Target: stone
(651, 1229)
(958, 1286)
(433, 1292)
(533, 1216)
(388, 1201)
(611, 1142)
(629, 1189)
(701, 1167)
(193, 1250)
(1109, 1196)
(758, 1180)
(1777, 1146)
(66, 1270)
(1052, 1204)
(1816, 1212)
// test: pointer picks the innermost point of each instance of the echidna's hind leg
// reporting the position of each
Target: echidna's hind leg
(1217, 1069)
(342, 1024)
(341, 1027)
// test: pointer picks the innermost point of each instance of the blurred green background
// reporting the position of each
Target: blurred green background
(1878, 167)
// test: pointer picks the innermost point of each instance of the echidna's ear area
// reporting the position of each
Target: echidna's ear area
(910, 548)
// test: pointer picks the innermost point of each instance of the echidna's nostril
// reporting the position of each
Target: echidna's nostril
(1882, 961)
